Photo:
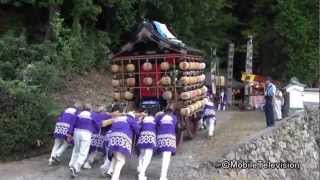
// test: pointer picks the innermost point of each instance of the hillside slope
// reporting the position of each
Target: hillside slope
(93, 87)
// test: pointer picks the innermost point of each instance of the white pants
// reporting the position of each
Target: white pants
(166, 157)
(60, 145)
(277, 109)
(211, 123)
(117, 163)
(82, 140)
(144, 161)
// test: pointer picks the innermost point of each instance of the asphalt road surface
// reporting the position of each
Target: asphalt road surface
(231, 128)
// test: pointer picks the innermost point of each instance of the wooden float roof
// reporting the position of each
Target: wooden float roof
(147, 36)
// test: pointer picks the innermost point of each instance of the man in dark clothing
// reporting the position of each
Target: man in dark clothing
(269, 93)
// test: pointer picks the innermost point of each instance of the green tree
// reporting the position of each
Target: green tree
(297, 23)
(285, 36)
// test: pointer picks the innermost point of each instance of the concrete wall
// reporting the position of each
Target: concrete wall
(311, 96)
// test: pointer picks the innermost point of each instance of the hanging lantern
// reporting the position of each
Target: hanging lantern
(116, 96)
(147, 66)
(167, 95)
(204, 89)
(115, 68)
(147, 81)
(128, 95)
(186, 95)
(131, 81)
(130, 67)
(165, 80)
(115, 82)
(185, 111)
(164, 66)
(184, 80)
(202, 66)
(184, 65)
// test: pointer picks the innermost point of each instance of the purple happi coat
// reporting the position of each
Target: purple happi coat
(86, 122)
(209, 111)
(98, 136)
(166, 132)
(122, 131)
(65, 123)
(147, 136)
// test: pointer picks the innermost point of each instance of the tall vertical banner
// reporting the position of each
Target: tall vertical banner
(230, 73)
(248, 66)
(213, 71)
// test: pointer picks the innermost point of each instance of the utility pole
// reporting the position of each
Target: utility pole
(249, 57)
(230, 73)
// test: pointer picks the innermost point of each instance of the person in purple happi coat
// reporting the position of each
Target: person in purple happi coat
(209, 116)
(123, 130)
(146, 143)
(63, 132)
(166, 137)
(84, 127)
(98, 136)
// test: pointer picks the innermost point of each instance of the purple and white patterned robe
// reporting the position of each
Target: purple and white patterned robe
(166, 132)
(209, 111)
(122, 130)
(147, 136)
(98, 136)
(65, 123)
(86, 122)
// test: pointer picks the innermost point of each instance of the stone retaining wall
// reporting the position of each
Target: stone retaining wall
(295, 139)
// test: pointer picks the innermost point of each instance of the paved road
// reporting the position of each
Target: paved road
(231, 128)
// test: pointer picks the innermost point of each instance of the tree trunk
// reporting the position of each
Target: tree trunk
(52, 10)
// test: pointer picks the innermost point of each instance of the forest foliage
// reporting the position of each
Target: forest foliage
(41, 41)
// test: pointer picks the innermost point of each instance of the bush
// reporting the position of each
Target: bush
(7, 71)
(16, 54)
(26, 120)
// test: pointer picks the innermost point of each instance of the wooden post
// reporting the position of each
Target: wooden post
(230, 73)
(247, 89)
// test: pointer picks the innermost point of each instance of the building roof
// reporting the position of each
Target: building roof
(294, 82)
(159, 35)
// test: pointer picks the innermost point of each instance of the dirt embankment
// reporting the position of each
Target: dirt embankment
(93, 87)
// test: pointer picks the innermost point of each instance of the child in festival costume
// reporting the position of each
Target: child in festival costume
(209, 116)
(120, 144)
(146, 143)
(63, 132)
(98, 137)
(166, 137)
(84, 127)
